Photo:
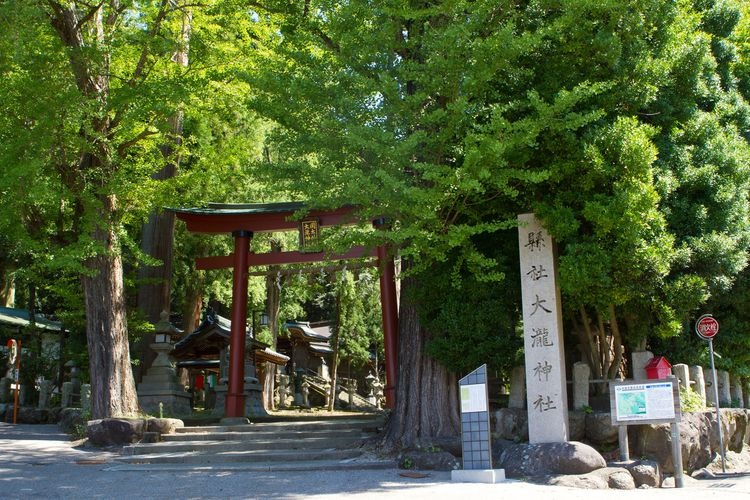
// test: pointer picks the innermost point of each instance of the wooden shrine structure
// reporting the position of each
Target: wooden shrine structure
(242, 221)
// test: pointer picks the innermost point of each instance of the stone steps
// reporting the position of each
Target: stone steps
(261, 435)
(212, 443)
(280, 445)
(210, 456)
(363, 425)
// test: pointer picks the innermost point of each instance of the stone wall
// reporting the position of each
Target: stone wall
(698, 434)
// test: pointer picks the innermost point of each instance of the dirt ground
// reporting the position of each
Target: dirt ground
(735, 462)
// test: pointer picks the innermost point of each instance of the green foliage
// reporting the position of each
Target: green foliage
(690, 400)
(622, 124)
(352, 302)
(608, 119)
(473, 322)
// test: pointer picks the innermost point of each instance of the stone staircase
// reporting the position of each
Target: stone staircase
(294, 444)
(319, 385)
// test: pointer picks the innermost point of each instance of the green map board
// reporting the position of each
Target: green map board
(644, 402)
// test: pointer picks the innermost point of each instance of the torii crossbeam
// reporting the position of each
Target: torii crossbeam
(242, 221)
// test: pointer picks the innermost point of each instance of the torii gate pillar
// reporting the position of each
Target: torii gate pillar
(234, 405)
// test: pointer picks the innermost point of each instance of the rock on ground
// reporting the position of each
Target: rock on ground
(541, 459)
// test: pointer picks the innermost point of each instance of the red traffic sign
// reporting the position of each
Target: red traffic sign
(706, 327)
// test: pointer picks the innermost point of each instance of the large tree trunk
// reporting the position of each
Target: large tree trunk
(7, 289)
(158, 233)
(600, 342)
(426, 392)
(191, 312)
(336, 340)
(112, 386)
(157, 238)
(156, 241)
(273, 307)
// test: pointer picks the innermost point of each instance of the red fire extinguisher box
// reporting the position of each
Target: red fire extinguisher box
(658, 368)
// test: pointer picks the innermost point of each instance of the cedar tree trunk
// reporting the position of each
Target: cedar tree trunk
(112, 386)
(426, 392)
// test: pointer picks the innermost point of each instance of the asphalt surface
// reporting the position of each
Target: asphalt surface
(38, 461)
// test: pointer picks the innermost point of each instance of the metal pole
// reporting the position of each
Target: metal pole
(622, 435)
(679, 480)
(716, 398)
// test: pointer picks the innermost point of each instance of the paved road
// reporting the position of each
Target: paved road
(37, 461)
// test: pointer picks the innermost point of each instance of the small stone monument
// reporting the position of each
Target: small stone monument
(305, 392)
(327, 392)
(581, 376)
(45, 391)
(351, 390)
(725, 397)
(298, 377)
(682, 372)
(67, 395)
(710, 393)
(160, 388)
(283, 386)
(735, 390)
(699, 382)
(221, 388)
(517, 397)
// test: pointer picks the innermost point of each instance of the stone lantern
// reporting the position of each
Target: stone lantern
(160, 388)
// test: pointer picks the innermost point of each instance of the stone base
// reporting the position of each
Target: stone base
(253, 401)
(234, 421)
(221, 397)
(488, 476)
(173, 403)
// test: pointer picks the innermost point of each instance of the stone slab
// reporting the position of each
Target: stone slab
(488, 476)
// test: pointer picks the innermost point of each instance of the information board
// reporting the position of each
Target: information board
(475, 421)
(637, 402)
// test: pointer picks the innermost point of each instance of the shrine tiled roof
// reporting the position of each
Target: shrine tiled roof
(20, 317)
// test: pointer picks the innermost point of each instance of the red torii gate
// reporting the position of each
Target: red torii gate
(242, 221)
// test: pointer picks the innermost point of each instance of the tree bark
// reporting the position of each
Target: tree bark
(157, 238)
(112, 386)
(616, 366)
(426, 392)
(156, 241)
(273, 306)
(191, 312)
(336, 339)
(7, 289)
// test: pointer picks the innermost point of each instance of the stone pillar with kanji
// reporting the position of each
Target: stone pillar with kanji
(546, 392)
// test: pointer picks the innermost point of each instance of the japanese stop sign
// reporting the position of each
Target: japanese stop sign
(706, 327)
